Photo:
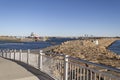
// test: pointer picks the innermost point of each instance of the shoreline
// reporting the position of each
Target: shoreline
(88, 50)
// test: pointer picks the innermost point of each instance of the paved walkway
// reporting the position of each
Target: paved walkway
(10, 70)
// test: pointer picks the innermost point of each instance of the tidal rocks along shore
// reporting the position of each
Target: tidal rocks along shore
(92, 50)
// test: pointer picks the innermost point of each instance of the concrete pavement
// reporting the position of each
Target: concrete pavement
(10, 70)
(15, 70)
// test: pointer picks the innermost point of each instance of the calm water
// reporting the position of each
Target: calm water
(31, 45)
(115, 47)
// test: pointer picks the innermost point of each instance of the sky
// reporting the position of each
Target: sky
(60, 17)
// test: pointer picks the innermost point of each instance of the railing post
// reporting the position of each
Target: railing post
(66, 67)
(14, 53)
(40, 60)
(28, 56)
(10, 54)
(6, 53)
(2, 53)
(20, 55)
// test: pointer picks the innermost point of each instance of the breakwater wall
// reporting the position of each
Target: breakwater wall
(88, 50)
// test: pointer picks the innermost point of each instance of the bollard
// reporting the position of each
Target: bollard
(66, 67)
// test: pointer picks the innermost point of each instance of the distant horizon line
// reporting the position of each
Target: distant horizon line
(54, 36)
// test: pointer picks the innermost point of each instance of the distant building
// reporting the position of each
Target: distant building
(34, 36)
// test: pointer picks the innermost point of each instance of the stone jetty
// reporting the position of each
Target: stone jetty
(92, 50)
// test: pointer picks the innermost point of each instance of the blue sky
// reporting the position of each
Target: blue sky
(60, 17)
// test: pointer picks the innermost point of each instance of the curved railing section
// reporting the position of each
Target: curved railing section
(62, 67)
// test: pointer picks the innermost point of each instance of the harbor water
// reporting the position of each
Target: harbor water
(31, 45)
(115, 47)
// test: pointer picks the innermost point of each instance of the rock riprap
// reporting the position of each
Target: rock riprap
(89, 50)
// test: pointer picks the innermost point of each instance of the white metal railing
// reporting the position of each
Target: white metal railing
(63, 67)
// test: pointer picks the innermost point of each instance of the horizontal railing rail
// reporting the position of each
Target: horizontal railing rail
(63, 67)
(95, 64)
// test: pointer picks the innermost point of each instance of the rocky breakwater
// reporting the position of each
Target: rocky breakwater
(91, 51)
